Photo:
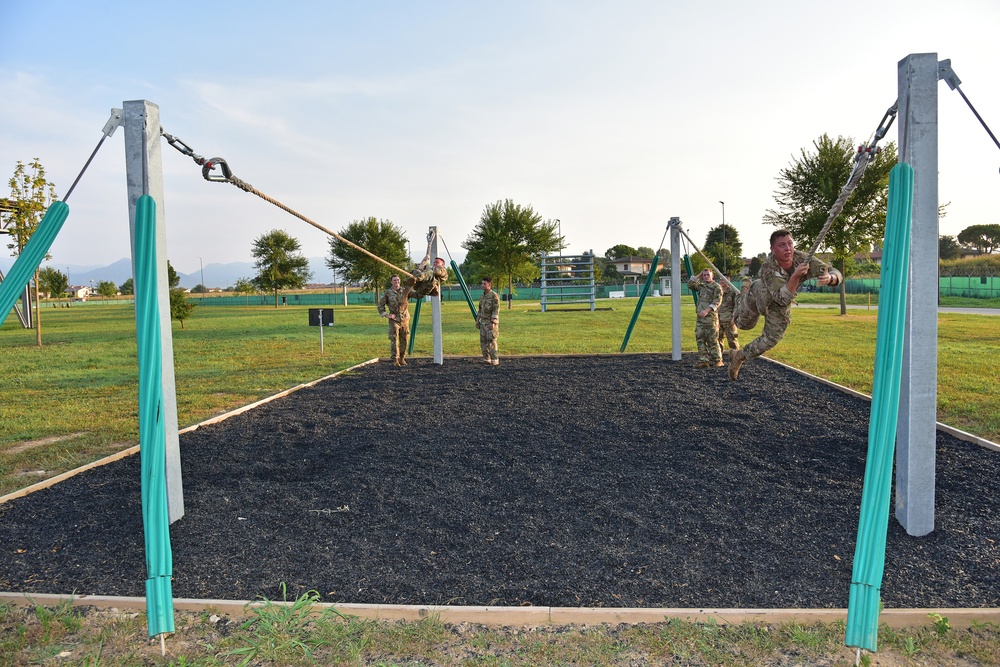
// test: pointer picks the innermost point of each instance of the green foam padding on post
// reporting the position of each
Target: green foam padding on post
(152, 429)
(873, 523)
(30, 258)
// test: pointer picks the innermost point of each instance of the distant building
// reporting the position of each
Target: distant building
(632, 267)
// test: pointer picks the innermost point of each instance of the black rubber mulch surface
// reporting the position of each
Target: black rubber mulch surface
(616, 481)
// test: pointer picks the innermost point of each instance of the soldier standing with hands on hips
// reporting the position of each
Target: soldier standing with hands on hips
(488, 322)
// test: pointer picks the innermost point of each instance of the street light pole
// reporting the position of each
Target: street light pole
(725, 251)
(202, 264)
(559, 222)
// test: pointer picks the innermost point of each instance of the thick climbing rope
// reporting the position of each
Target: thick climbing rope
(866, 152)
(207, 168)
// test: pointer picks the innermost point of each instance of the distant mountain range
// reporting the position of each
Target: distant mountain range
(216, 275)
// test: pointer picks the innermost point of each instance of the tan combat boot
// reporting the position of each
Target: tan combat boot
(736, 360)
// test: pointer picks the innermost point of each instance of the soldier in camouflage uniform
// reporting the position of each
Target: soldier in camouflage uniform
(708, 297)
(727, 330)
(772, 294)
(488, 323)
(394, 305)
(426, 281)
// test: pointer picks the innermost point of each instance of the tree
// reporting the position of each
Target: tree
(472, 271)
(244, 286)
(180, 308)
(508, 240)
(984, 238)
(808, 188)
(608, 271)
(644, 251)
(724, 248)
(948, 248)
(107, 289)
(173, 280)
(754, 269)
(30, 195)
(53, 281)
(621, 250)
(199, 289)
(279, 263)
(379, 237)
(127, 287)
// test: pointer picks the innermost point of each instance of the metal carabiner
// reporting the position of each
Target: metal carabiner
(206, 170)
(886, 123)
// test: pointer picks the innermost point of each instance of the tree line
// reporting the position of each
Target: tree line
(509, 238)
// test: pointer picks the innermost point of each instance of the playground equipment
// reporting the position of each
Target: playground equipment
(562, 276)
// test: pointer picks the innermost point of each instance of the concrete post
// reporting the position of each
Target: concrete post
(917, 427)
(675, 289)
(144, 174)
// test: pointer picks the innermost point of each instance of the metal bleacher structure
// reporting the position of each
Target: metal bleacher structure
(568, 279)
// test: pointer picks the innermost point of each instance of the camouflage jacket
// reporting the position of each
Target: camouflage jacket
(396, 304)
(728, 305)
(425, 280)
(707, 295)
(489, 307)
(773, 277)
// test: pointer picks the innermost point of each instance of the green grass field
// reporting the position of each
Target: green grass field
(75, 399)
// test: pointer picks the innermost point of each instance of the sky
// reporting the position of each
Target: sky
(611, 117)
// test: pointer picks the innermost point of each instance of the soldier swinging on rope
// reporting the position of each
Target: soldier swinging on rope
(772, 294)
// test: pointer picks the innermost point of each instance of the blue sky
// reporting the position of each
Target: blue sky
(611, 117)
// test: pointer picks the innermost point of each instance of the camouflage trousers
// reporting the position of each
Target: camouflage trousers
(706, 332)
(776, 321)
(488, 335)
(728, 333)
(399, 336)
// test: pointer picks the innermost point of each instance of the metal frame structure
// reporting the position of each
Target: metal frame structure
(559, 288)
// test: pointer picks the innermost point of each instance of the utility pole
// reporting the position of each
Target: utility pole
(725, 251)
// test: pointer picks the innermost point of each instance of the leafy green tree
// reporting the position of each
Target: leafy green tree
(199, 289)
(127, 287)
(808, 188)
(244, 286)
(754, 269)
(379, 237)
(472, 271)
(724, 248)
(508, 241)
(107, 289)
(30, 195)
(622, 250)
(180, 307)
(279, 263)
(607, 270)
(53, 281)
(984, 238)
(173, 280)
(948, 248)
(644, 251)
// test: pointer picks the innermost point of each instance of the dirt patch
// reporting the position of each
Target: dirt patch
(615, 481)
(31, 444)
